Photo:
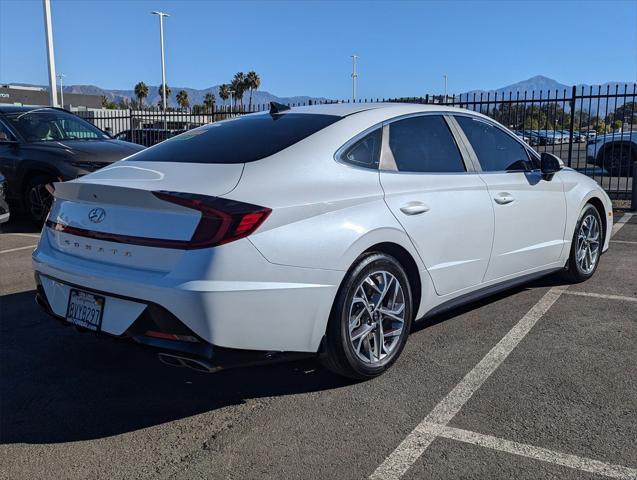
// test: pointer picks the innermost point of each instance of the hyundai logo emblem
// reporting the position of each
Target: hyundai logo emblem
(97, 215)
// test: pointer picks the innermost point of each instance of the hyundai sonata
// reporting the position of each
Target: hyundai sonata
(323, 230)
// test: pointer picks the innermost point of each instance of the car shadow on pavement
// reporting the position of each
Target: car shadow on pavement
(60, 385)
(19, 225)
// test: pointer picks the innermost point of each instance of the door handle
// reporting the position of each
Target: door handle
(414, 208)
(503, 198)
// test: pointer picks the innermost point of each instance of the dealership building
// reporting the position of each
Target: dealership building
(38, 96)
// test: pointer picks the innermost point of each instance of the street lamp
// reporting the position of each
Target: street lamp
(161, 16)
(354, 77)
(61, 76)
(445, 77)
(48, 31)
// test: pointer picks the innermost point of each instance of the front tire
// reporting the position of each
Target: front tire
(37, 200)
(370, 320)
(586, 246)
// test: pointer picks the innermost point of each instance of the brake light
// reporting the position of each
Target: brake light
(222, 220)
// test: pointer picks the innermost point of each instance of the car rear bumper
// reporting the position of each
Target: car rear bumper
(238, 300)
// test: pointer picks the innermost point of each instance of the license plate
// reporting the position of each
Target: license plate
(85, 309)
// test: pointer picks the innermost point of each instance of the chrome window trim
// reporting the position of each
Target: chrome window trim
(339, 153)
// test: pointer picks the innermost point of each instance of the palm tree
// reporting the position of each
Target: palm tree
(238, 84)
(160, 91)
(253, 82)
(141, 92)
(182, 99)
(224, 91)
(209, 101)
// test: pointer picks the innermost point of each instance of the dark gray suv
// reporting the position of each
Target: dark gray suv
(42, 145)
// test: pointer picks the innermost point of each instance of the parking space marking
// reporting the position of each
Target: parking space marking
(18, 249)
(32, 235)
(602, 295)
(620, 223)
(531, 451)
(624, 241)
(415, 444)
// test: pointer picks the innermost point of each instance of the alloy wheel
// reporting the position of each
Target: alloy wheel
(587, 247)
(376, 317)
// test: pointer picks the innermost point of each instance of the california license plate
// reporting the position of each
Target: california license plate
(85, 309)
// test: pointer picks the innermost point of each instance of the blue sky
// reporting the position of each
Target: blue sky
(304, 47)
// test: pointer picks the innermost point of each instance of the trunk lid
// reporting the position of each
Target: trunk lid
(105, 215)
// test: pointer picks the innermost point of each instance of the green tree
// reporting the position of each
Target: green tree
(209, 101)
(238, 84)
(182, 99)
(627, 113)
(617, 125)
(108, 103)
(141, 92)
(224, 91)
(160, 91)
(253, 82)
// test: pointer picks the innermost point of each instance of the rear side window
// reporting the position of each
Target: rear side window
(365, 152)
(244, 139)
(496, 150)
(424, 144)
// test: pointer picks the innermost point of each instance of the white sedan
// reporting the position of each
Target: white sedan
(324, 230)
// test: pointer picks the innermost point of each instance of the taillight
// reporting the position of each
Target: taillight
(222, 220)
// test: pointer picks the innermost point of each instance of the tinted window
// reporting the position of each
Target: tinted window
(42, 125)
(365, 152)
(244, 139)
(6, 131)
(424, 144)
(496, 150)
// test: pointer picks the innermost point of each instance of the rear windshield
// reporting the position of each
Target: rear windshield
(241, 140)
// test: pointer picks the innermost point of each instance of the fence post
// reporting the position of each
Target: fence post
(570, 133)
(633, 200)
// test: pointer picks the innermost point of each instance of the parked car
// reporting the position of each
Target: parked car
(42, 145)
(147, 136)
(4, 206)
(614, 152)
(323, 230)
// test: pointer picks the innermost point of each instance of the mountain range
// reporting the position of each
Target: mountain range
(196, 96)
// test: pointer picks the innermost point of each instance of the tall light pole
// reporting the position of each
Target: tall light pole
(61, 76)
(161, 16)
(445, 77)
(354, 77)
(48, 30)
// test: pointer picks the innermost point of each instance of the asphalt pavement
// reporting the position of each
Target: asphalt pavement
(470, 397)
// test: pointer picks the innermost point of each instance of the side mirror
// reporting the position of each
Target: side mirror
(549, 165)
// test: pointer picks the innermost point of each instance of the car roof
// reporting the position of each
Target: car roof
(21, 108)
(346, 109)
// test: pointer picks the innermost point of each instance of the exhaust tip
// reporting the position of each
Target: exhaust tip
(196, 364)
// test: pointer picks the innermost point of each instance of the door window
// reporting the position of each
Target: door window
(496, 150)
(424, 144)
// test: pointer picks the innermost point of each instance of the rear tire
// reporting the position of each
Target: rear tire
(37, 200)
(370, 320)
(586, 247)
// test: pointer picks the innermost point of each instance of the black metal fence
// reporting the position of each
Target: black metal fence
(593, 129)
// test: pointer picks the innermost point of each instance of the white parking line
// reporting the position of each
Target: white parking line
(32, 235)
(537, 453)
(415, 444)
(602, 295)
(624, 241)
(620, 223)
(18, 249)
